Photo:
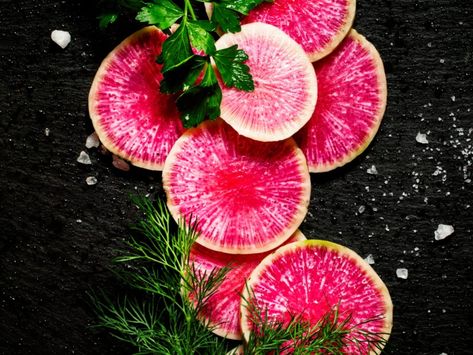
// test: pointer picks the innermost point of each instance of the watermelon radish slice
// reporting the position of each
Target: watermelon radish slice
(317, 25)
(247, 196)
(308, 279)
(285, 85)
(350, 107)
(130, 115)
(223, 307)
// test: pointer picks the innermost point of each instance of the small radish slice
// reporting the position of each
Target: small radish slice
(285, 85)
(247, 196)
(222, 309)
(350, 107)
(131, 117)
(317, 25)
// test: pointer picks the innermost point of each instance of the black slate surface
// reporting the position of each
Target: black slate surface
(57, 235)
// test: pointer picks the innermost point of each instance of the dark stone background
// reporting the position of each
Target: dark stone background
(49, 260)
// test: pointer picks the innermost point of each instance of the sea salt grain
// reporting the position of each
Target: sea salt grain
(402, 273)
(443, 231)
(84, 158)
(46, 132)
(61, 38)
(92, 141)
(372, 170)
(369, 259)
(91, 180)
(422, 138)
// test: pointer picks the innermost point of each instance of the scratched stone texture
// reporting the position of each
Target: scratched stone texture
(58, 235)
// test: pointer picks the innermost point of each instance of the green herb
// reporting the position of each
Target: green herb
(181, 66)
(229, 62)
(113, 9)
(165, 321)
(162, 13)
(330, 335)
(202, 100)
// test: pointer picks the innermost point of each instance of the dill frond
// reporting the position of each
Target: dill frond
(330, 335)
(165, 321)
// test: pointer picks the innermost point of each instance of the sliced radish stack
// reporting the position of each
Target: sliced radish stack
(310, 278)
(317, 25)
(285, 85)
(130, 115)
(247, 196)
(350, 106)
(222, 309)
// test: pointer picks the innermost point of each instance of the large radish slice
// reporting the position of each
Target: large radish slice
(307, 279)
(317, 25)
(130, 115)
(285, 85)
(246, 196)
(222, 310)
(350, 106)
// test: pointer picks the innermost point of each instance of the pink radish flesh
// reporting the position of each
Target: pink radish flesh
(317, 25)
(132, 118)
(350, 107)
(311, 277)
(223, 307)
(247, 196)
(285, 85)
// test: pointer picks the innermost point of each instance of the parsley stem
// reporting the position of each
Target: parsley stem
(188, 5)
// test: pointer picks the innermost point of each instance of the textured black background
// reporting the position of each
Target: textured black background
(48, 259)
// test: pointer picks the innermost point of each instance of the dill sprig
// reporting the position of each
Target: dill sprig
(166, 320)
(330, 335)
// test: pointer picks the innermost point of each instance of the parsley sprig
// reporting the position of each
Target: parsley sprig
(188, 52)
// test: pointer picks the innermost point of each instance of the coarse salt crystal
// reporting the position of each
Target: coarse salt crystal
(402, 273)
(372, 170)
(92, 141)
(443, 231)
(91, 180)
(61, 38)
(84, 158)
(46, 132)
(369, 259)
(422, 138)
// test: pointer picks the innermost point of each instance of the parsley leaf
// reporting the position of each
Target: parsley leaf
(227, 19)
(242, 6)
(111, 10)
(200, 38)
(176, 50)
(207, 25)
(106, 19)
(226, 13)
(201, 101)
(162, 13)
(230, 64)
(183, 76)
